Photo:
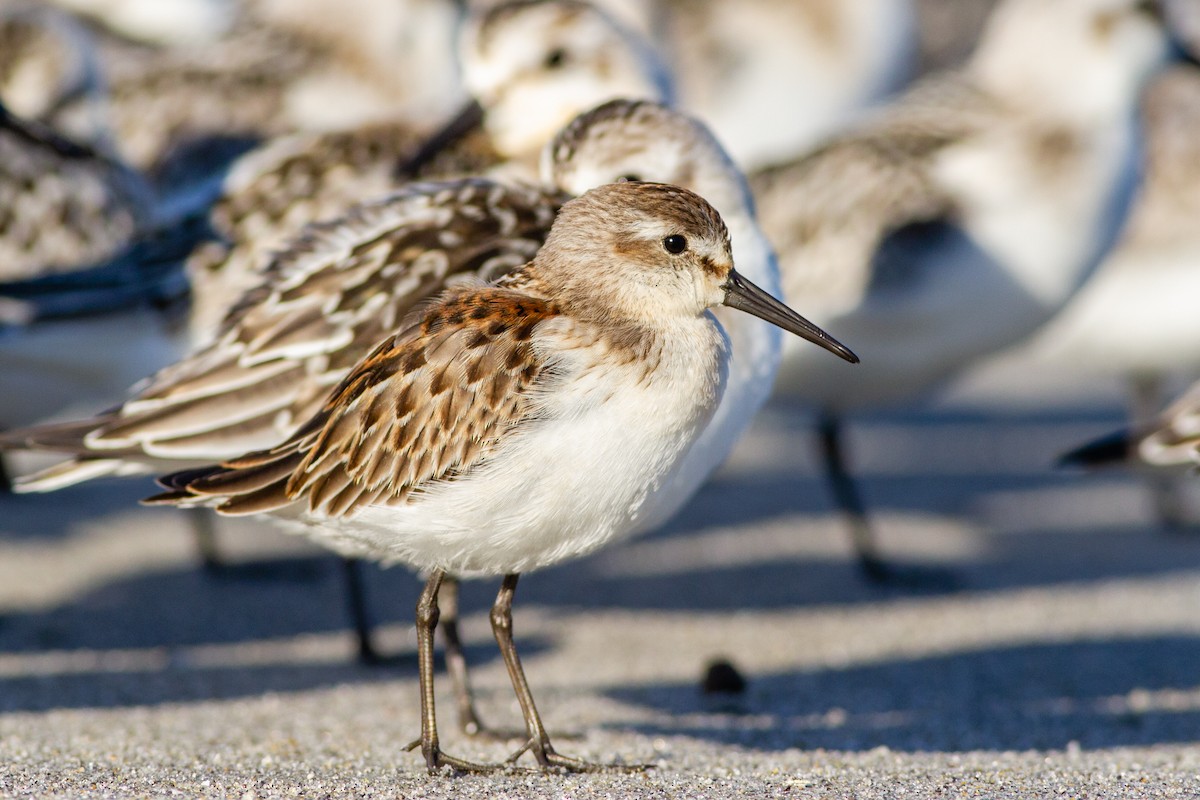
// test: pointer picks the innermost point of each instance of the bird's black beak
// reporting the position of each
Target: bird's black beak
(468, 120)
(745, 296)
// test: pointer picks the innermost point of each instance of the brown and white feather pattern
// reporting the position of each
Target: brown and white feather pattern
(159, 99)
(426, 406)
(835, 205)
(324, 303)
(63, 207)
(273, 192)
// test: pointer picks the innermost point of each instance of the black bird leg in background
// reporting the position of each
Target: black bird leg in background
(871, 564)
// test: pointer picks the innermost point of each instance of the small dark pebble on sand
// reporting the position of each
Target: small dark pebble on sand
(722, 677)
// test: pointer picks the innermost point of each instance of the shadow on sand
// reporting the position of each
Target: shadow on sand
(1097, 694)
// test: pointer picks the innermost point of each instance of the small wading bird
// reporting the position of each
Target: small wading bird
(520, 424)
(963, 216)
(1150, 282)
(328, 298)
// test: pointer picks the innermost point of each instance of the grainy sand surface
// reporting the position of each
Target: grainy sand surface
(1066, 662)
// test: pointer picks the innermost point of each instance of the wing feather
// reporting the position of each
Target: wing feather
(385, 433)
(828, 212)
(343, 287)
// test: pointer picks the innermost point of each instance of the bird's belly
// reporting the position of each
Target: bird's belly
(564, 487)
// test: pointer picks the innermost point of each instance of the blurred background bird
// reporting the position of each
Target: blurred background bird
(961, 217)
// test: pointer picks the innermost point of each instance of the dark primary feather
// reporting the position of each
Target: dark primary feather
(1113, 449)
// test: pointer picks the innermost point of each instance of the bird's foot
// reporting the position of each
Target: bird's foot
(552, 761)
(909, 577)
(437, 761)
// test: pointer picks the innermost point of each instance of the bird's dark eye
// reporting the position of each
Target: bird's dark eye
(675, 244)
(629, 177)
(556, 58)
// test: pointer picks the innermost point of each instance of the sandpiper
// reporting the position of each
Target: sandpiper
(517, 425)
(1149, 282)
(331, 295)
(558, 57)
(964, 215)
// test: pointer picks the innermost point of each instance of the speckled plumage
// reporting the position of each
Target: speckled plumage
(517, 425)
(63, 206)
(323, 303)
(340, 288)
(490, 374)
(298, 179)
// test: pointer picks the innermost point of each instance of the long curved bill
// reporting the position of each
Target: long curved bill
(745, 296)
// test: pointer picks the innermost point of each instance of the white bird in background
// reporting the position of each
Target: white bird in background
(962, 217)
(1137, 317)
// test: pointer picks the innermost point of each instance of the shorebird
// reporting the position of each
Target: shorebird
(560, 56)
(517, 425)
(326, 299)
(964, 215)
(1150, 280)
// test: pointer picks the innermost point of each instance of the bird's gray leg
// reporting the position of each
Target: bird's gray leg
(539, 741)
(456, 663)
(427, 621)
(356, 597)
(204, 532)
